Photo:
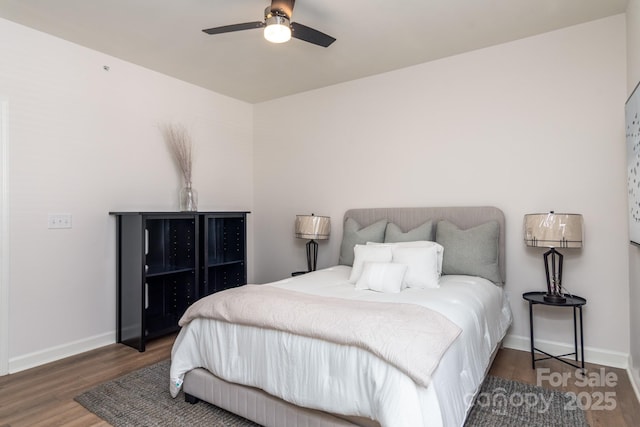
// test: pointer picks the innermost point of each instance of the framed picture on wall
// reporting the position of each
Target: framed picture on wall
(632, 131)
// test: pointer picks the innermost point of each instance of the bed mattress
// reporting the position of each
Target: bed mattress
(347, 380)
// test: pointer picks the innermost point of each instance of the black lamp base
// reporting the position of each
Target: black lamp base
(555, 299)
(312, 255)
(554, 277)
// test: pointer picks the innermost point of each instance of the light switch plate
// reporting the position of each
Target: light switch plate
(59, 220)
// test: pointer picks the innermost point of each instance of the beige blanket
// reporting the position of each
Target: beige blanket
(410, 337)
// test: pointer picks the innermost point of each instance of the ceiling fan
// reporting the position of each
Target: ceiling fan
(278, 27)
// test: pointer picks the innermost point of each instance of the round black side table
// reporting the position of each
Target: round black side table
(573, 301)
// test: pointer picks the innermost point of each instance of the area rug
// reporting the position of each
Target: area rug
(142, 398)
(502, 402)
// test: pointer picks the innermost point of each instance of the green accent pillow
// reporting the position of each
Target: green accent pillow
(394, 234)
(473, 252)
(353, 235)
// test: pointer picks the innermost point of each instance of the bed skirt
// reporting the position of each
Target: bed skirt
(260, 407)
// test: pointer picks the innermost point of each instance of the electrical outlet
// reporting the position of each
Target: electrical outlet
(59, 220)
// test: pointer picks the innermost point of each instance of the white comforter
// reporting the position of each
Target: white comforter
(348, 380)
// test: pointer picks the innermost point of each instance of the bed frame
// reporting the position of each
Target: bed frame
(270, 411)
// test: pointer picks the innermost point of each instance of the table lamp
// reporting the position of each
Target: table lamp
(553, 230)
(314, 228)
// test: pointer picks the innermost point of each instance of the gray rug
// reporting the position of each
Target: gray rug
(142, 398)
(503, 402)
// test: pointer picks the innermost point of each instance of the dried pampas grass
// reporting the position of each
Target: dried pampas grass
(179, 142)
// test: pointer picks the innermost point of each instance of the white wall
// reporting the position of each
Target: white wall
(85, 141)
(528, 126)
(633, 77)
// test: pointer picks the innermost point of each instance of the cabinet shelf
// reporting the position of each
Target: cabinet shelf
(222, 264)
(152, 272)
(168, 260)
(159, 326)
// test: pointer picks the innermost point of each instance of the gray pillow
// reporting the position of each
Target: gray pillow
(394, 234)
(353, 235)
(472, 252)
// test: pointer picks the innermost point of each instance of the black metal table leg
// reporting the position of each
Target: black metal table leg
(533, 357)
(575, 333)
(581, 339)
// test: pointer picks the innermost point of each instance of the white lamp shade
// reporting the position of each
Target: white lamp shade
(277, 29)
(313, 227)
(553, 230)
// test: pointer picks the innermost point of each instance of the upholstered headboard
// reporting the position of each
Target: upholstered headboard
(462, 217)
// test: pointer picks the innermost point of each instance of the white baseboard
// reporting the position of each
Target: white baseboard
(52, 354)
(591, 355)
(634, 377)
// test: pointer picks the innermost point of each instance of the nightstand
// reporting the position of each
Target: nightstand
(572, 301)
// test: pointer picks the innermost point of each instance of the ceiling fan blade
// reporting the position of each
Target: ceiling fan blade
(285, 6)
(310, 35)
(234, 27)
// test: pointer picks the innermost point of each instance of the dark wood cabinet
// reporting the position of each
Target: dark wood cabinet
(223, 252)
(168, 260)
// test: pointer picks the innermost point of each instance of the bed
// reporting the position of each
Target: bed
(298, 364)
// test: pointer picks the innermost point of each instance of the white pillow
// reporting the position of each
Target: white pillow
(422, 266)
(417, 244)
(382, 277)
(364, 253)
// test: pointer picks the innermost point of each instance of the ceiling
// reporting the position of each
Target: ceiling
(373, 36)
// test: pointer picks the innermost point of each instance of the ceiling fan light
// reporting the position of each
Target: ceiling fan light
(277, 29)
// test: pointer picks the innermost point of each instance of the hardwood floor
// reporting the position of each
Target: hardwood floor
(43, 396)
(606, 394)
